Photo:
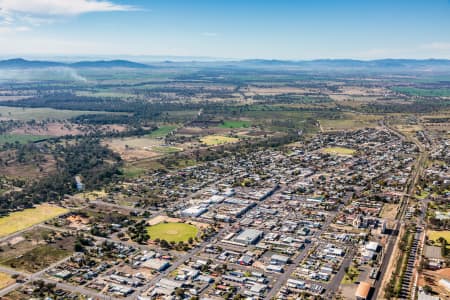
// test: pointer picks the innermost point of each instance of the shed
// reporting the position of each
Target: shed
(362, 292)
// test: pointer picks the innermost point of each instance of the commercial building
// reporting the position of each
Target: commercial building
(249, 237)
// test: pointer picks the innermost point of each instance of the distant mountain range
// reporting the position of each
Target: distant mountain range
(358, 64)
(20, 63)
(319, 64)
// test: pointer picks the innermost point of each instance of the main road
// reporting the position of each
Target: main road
(408, 192)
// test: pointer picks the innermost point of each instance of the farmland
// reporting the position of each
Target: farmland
(38, 114)
(235, 124)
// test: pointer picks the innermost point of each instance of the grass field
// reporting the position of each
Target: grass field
(5, 280)
(235, 124)
(38, 258)
(21, 138)
(132, 171)
(338, 151)
(176, 232)
(435, 235)
(20, 220)
(39, 114)
(213, 140)
(162, 131)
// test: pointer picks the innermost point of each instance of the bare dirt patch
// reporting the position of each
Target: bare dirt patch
(389, 211)
(160, 219)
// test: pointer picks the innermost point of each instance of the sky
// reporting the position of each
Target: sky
(232, 29)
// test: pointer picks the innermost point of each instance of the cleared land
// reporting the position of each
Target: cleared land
(176, 232)
(389, 211)
(134, 148)
(339, 151)
(20, 220)
(349, 122)
(213, 140)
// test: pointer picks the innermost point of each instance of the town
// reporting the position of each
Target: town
(320, 217)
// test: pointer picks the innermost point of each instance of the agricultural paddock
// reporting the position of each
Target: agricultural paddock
(231, 124)
(162, 131)
(39, 114)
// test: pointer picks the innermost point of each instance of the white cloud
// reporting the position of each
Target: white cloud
(12, 29)
(60, 7)
(23, 15)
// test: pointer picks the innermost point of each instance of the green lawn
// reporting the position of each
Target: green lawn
(21, 138)
(176, 232)
(235, 124)
(162, 131)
